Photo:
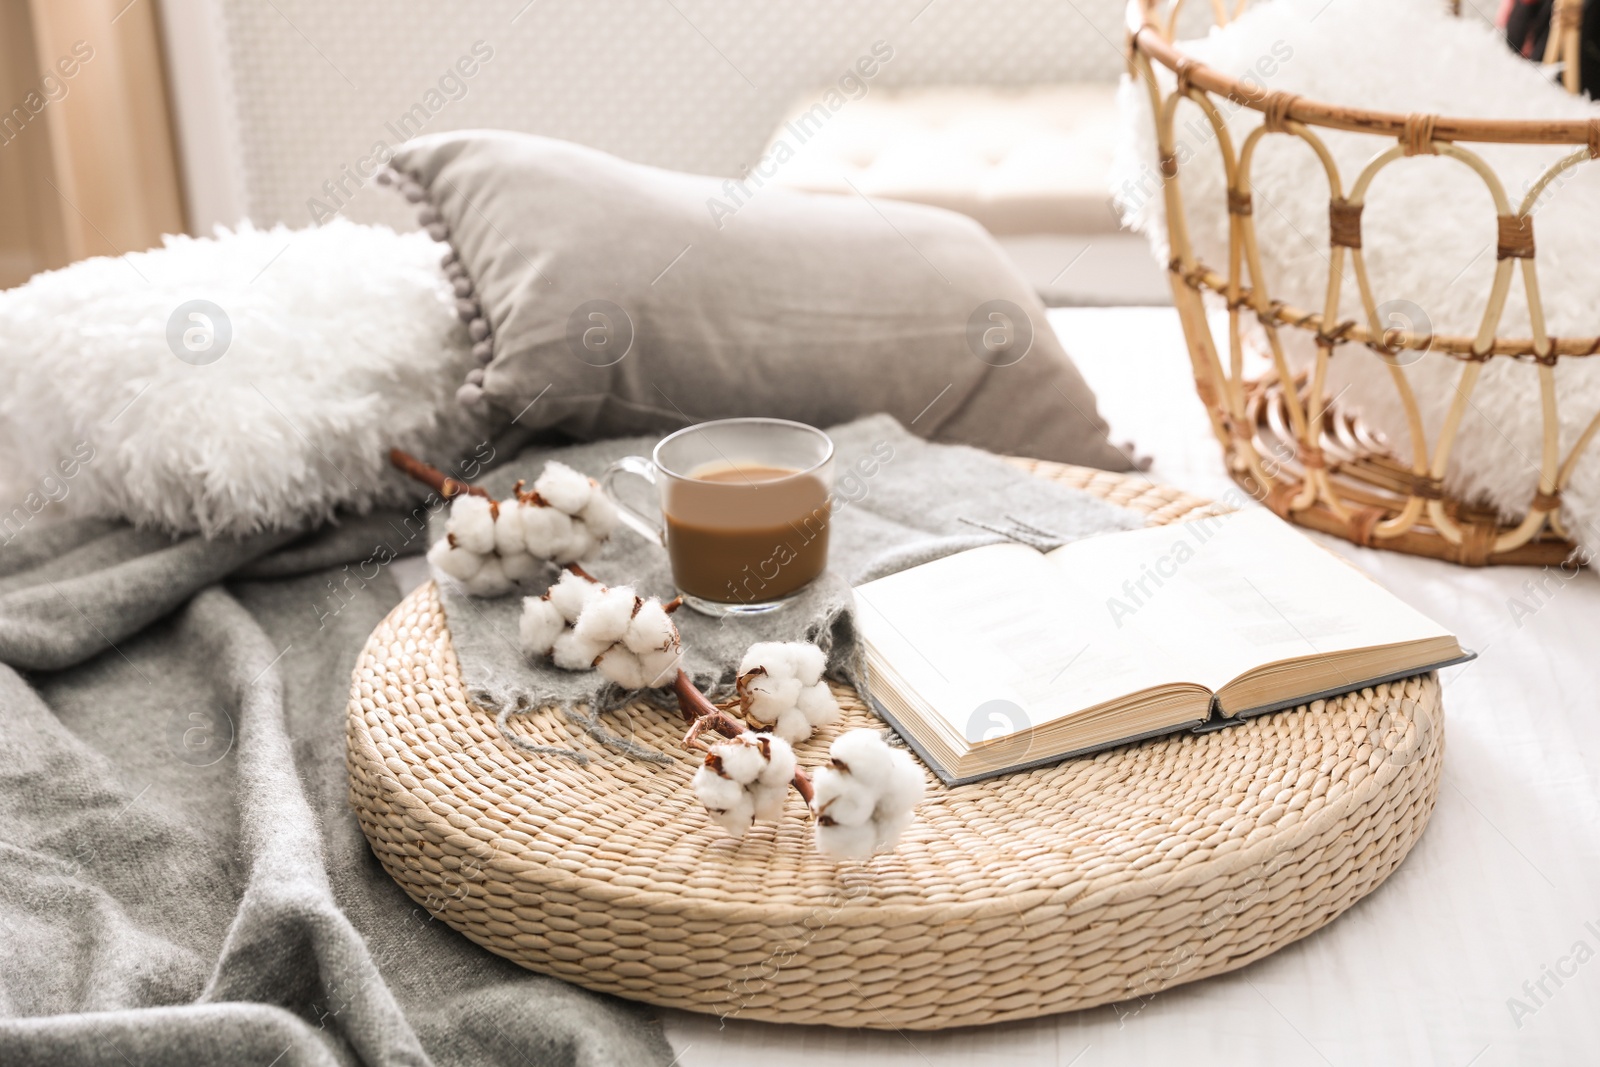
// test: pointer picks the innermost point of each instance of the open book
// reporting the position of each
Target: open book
(1004, 657)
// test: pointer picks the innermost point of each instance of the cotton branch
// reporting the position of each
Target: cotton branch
(433, 477)
(701, 715)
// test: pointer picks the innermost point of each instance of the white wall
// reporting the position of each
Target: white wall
(308, 86)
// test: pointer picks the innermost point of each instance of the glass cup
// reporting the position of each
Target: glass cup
(745, 505)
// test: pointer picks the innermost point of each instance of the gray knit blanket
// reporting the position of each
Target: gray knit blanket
(182, 881)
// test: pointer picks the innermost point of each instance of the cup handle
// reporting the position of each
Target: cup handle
(646, 527)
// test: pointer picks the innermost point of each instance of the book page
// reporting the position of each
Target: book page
(1003, 623)
(1230, 594)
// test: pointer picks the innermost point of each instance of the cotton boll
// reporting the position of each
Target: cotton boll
(605, 616)
(905, 786)
(651, 629)
(600, 515)
(453, 560)
(759, 767)
(847, 842)
(841, 797)
(545, 531)
(864, 753)
(866, 797)
(571, 593)
(540, 625)
(490, 581)
(809, 662)
(781, 764)
(576, 546)
(519, 566)
(508, 540)
(564, 487)
(472, 522)
(768, 697)
(774, 657)
(715, 791)
(572, 653)
(661, 666)
(791, 725)
(623, 667)
(737, 819)
(741, 758)
(769, 800)
(780, 682)
(818, 704)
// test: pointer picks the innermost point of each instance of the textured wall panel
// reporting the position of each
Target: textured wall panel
(689, 84)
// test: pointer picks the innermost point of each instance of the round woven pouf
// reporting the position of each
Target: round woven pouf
(1095, 880)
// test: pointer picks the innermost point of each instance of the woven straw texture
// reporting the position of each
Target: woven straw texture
(1091, 881)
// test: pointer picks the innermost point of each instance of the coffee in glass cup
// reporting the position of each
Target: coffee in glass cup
(745, 506)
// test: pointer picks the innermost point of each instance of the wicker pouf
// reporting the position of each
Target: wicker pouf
(1091, 881)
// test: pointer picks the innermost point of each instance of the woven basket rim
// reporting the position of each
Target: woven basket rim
(1146, 34)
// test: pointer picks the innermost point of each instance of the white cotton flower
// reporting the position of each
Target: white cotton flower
(737, 817)
(508, 530)
(791, 725)
(472, 522)
(577, 545)
(571, 593)
(540, 625)
(572, 653)
(661, 666)
(606, 615)
(454, 560)
(818, 704)
(776, 658)
(564, 487)
(563, 520)
(780, 684)
(545, 531)
(866, 796)
(619, 665)
(745, 778)
(581, 624)
(520, 567)
(654, 639)
(766, 698)
(490, 581)
(844, 798)
(716, 790)
(650, 629)
(599, 515)
(742, 759)
(809, 662)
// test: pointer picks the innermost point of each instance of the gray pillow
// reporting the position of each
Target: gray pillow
(610, 298)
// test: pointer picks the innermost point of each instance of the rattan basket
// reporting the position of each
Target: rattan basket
(1095, 880)
(1284, 440)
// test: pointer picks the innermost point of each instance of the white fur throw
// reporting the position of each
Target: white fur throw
(1428, 230)
(344, 343)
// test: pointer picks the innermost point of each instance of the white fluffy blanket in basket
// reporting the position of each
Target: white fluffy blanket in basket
(270, 406)
(1428, 229)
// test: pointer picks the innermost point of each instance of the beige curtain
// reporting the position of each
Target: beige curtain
(87, 166)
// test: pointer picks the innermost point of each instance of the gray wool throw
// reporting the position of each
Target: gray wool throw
(898, 501)
(182, 881)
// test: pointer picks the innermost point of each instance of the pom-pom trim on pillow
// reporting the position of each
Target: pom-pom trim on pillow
(468, 307)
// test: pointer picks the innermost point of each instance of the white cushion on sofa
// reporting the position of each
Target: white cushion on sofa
(1034, 160)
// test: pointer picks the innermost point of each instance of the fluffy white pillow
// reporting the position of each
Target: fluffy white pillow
(1428, 230)
(333, 345)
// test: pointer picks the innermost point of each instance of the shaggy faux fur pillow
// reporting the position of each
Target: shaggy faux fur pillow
(1428, 231)
(609, 298)
(251, 381)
